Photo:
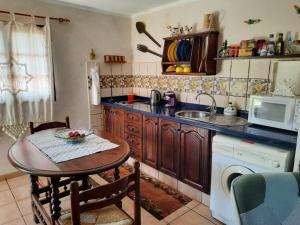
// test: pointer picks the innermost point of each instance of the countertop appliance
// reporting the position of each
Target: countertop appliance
(297, 155)
(155, 97)
(233, 157)
(275, 111)
(170, 99)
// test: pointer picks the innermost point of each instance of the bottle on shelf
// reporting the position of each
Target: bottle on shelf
(288, 46)
(280, 45)
(271, 45)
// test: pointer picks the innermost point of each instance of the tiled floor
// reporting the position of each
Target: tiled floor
(15, 208)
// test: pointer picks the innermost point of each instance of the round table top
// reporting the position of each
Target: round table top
(28, 158)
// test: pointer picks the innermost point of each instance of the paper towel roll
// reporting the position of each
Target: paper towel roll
(95, 87)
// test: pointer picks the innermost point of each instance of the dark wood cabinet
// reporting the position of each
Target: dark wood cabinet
(195, 157)
(150, 140)
(134, 133)
(178, 150)
(114, 121)
(169, 147)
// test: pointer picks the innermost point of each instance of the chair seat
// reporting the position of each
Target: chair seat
(110, 215)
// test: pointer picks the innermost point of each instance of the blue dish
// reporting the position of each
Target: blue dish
(178, 51)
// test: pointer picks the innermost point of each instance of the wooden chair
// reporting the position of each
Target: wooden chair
(50, 125)
(100, 205)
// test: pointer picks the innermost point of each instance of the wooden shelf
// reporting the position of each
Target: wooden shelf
(204, 48)
(187, 74)
(259, 57)
(176, 63)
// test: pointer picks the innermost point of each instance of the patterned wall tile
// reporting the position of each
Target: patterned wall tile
(257, 87)
(221, 86)
(184, 84)
(154, 82)
(172, 83)
(194, 85)
(137, 81)
(238, 87)
(105, 81)
(118, 81)
(146, 81)
(207, 84)
(163, 83)
(128, 81)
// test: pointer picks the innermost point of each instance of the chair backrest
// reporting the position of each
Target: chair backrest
(271, 198)
(106, 195)
(50, 125)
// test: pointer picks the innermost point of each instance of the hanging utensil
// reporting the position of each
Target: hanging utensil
(144, 48)
(141, 28)
(203, 62)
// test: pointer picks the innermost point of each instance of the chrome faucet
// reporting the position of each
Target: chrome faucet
(213, 107)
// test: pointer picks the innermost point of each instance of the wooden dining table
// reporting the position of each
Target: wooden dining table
(27, 158)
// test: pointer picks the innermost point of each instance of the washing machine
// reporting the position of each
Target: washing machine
(233, 157)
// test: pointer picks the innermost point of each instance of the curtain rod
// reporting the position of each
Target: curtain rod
(61, 20)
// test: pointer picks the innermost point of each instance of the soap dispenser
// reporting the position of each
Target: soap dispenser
(230, 110)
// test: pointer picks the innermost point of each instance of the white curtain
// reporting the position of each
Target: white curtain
(25, 75)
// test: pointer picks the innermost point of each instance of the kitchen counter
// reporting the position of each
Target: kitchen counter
(265, 135)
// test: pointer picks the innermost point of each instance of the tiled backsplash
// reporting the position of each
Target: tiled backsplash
(235, 81)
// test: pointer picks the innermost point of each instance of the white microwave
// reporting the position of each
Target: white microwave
(275, 111)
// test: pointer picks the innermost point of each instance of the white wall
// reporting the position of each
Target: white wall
(277, 16)
(106, 34)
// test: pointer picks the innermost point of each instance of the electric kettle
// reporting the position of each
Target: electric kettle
(155, 97)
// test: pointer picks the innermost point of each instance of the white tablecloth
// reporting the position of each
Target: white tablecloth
(59, 151)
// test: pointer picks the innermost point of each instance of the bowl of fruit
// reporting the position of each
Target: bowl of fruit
(74, 137)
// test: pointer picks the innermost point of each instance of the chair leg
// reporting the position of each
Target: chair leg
(117, 177)
(34, 191)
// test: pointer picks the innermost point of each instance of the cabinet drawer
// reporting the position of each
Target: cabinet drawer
(133, 117)
(133, 141)
(133, 128)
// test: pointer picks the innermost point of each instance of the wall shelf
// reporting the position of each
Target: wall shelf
(204, 48)
(260, 57)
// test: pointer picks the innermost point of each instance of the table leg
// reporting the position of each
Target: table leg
(55, 202)
(34, 191)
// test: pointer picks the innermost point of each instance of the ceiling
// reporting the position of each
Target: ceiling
(121, 7)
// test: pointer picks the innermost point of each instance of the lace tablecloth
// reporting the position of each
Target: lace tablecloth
(59, 151)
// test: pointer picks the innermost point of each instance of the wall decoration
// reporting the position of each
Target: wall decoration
(141, 28)
(114, 59)
(252, 21)
(297, 8)
(145, 49)
(92, 55)
(179, 30)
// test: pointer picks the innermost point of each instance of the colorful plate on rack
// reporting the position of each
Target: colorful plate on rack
(170, 51)
(178, 51)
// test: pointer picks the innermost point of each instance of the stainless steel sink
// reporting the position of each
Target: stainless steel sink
(218, 119)
(192, 114)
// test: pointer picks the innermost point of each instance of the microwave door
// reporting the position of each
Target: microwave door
(272, 113)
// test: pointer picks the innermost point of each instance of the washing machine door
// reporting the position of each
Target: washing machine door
(230, 173)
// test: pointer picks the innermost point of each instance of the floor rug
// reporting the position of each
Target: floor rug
(157, 198)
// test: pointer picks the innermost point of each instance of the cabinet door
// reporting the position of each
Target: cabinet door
(195, 157)
(107, 119)
(150, 140)
(168, 147)
(118, 123)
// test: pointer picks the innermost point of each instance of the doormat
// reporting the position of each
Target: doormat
(157, 198)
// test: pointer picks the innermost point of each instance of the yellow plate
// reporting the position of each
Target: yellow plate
(170, 51)
(174, 51)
